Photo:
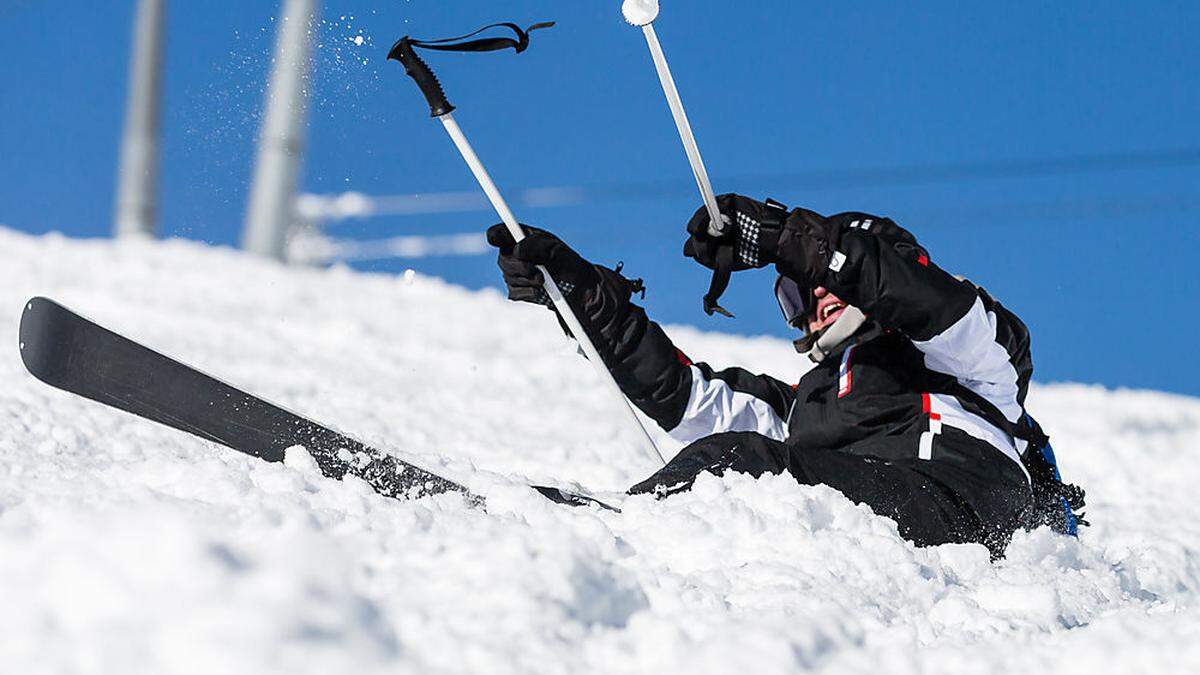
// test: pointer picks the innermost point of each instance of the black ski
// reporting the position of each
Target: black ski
(71, 353)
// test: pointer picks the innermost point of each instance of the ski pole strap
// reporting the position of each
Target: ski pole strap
(404, 52)
(720, 281)
(489, 44)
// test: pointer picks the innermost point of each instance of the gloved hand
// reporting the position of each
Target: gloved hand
(599, 297)
(518, 263)
(750, 238)
(810, 243)
(805, 247)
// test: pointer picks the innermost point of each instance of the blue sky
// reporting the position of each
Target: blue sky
(1049, 151)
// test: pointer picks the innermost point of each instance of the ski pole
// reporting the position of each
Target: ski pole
(642, 13)
(440, 108)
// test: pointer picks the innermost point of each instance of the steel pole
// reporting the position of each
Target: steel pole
(269, 213)
(135, 210)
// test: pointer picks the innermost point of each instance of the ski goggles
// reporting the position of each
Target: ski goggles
(795, 302)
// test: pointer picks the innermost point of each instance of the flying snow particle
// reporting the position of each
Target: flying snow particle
(358, 40)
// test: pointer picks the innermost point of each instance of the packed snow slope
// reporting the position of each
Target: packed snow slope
(126, 547)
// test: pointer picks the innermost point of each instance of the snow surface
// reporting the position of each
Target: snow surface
(126, 547)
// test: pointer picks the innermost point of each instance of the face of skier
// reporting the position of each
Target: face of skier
(828, 308)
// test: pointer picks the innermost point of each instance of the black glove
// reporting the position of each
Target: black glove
(750, 238)
(599, 297)
(807, 247)
(518, 263)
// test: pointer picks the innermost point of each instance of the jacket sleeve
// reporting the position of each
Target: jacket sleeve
(878, 267)
(692, 400)
(688, 400)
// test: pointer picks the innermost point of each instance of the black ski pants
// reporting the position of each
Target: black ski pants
(968, 493)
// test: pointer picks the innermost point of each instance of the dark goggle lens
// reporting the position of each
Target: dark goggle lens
(794, 301)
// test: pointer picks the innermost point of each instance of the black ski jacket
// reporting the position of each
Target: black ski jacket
(936, 352)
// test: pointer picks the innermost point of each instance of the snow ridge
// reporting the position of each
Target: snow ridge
(128, 548)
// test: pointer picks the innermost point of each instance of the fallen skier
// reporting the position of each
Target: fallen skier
(916, 408)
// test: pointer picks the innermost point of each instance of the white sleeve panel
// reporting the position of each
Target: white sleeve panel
(713, 407)
(951, 413)
(968, 350)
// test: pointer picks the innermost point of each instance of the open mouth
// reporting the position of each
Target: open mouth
(827, 314)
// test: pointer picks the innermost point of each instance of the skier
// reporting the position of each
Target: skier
(918, 413)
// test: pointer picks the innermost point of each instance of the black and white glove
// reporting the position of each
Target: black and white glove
(750, 237)
(802, 244)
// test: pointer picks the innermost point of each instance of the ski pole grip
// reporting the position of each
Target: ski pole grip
(419, 71)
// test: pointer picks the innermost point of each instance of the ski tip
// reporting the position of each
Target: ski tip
(37, 305)
(37, 301)
(35, 340)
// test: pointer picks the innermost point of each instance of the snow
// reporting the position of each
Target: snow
(126, 547)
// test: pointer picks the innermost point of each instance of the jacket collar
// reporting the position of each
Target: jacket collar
(810, 345)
